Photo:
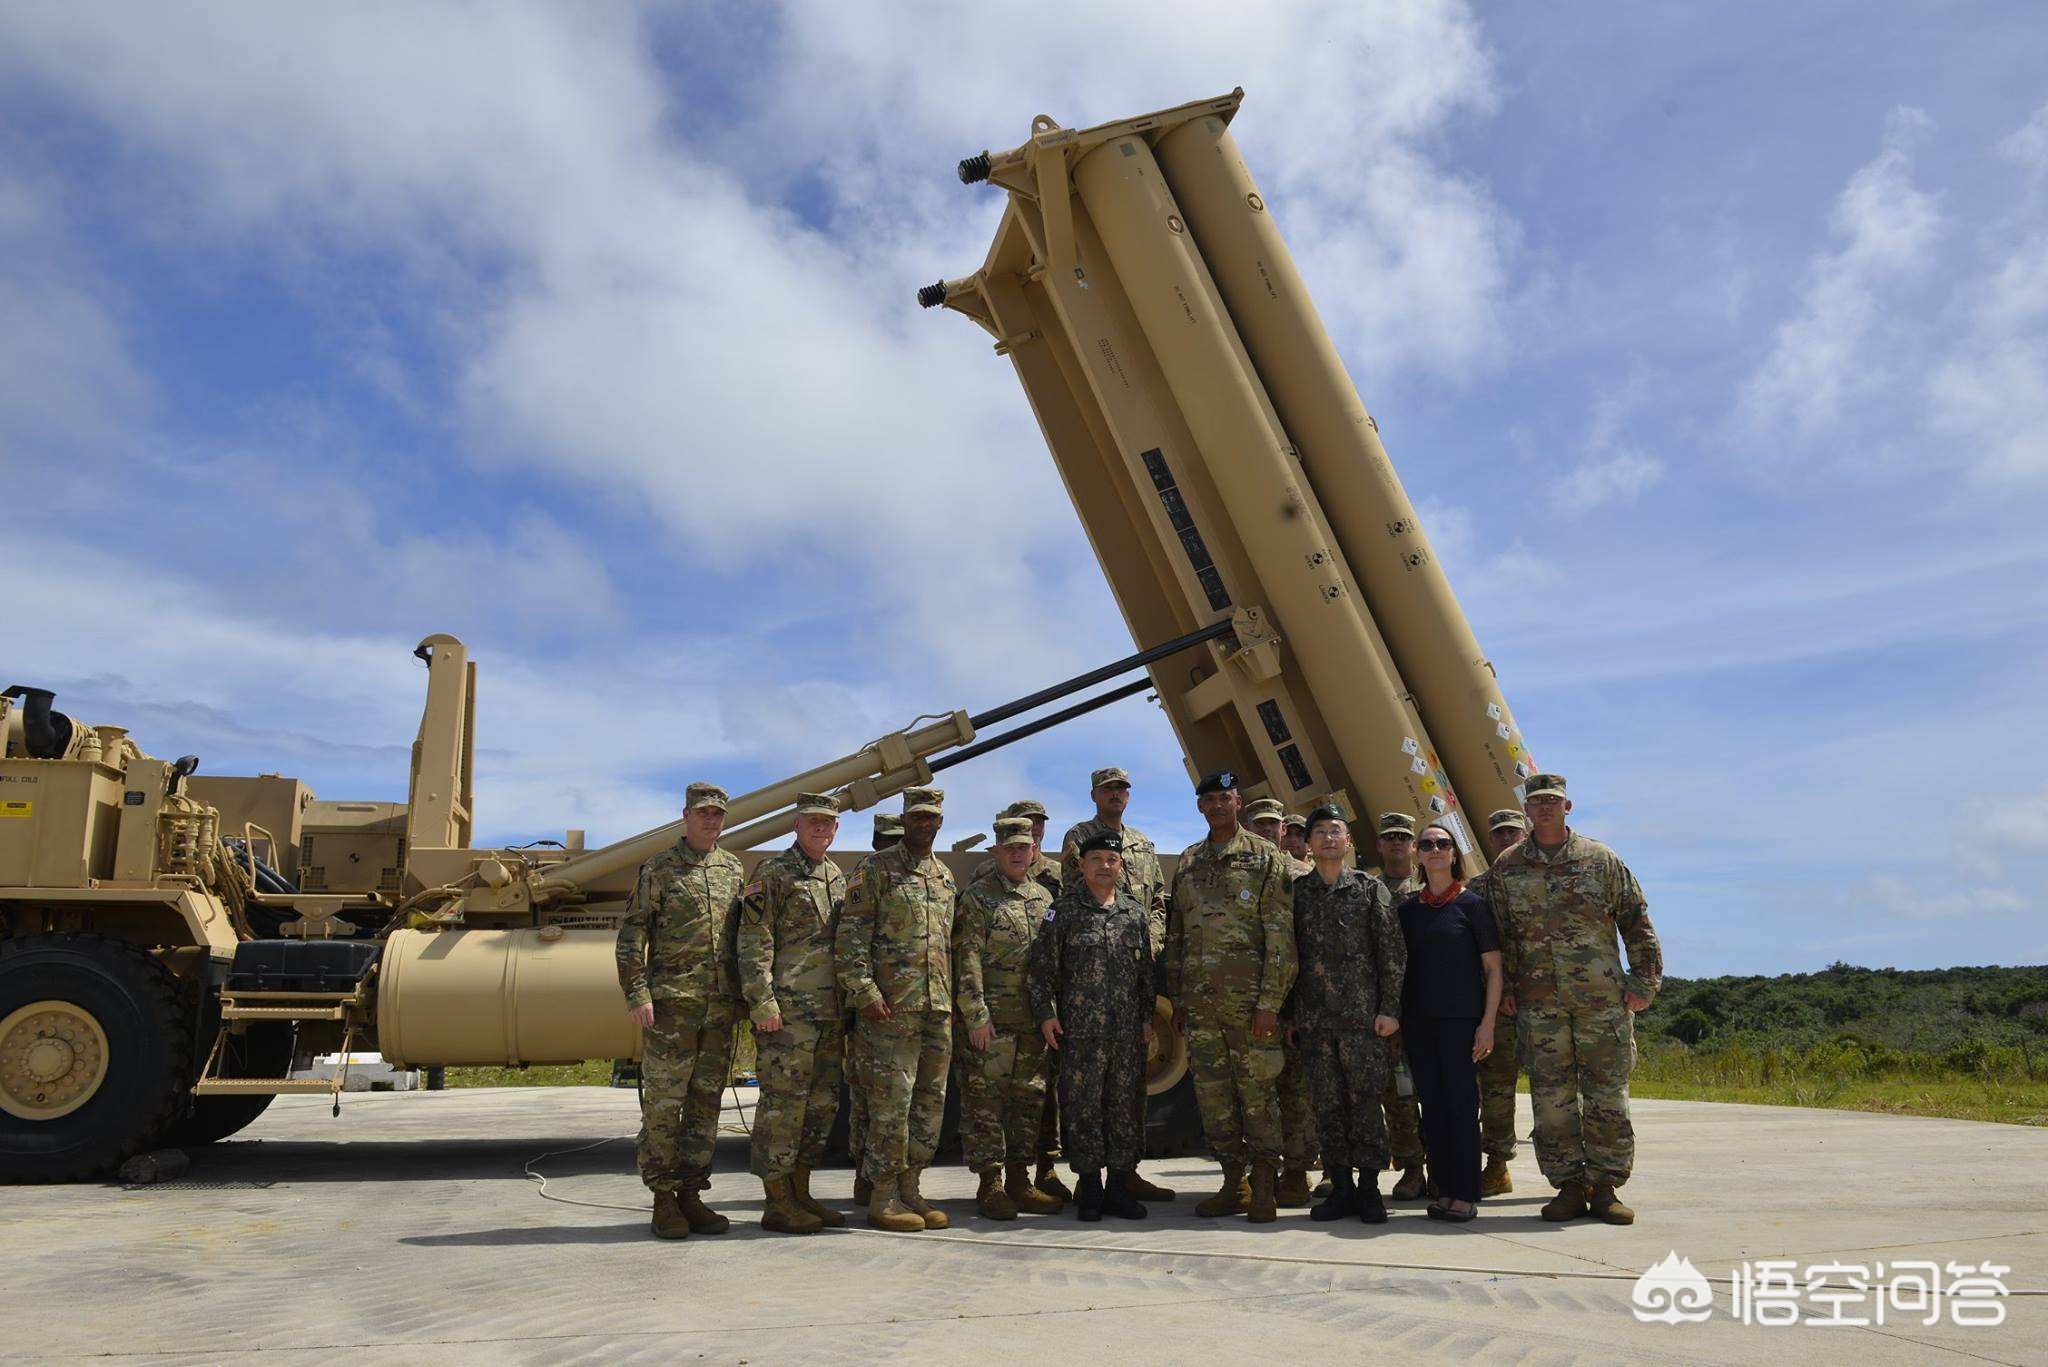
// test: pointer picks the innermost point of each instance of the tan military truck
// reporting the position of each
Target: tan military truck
(170, 943)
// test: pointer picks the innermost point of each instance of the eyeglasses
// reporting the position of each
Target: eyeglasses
(1436, 844)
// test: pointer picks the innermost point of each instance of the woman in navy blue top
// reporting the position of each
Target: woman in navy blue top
(1448, 1003)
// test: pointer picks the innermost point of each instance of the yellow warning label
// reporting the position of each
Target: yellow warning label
(20, 809)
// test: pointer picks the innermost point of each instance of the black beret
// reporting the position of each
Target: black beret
(1113, 841)
(1329, 811)
(1221, 781)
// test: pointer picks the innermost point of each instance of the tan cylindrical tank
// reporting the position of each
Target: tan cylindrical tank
(1405, 587)
(1245, 450)
(541, 994)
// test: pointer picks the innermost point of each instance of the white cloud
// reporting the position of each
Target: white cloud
(2028, 144)
(2020, 825)
(1614, 471)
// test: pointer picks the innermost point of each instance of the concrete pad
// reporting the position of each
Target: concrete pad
(408, 1228)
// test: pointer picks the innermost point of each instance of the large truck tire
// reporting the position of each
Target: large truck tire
(265, 1050)
(95, 1054)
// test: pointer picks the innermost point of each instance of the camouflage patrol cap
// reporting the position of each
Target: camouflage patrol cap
(888, 823)
(1396, 823)
(1113, 774)
(1296, 821)
(924, 800)
(1026, 807)
(1544, 785)
(816, 804)
(1265, 807)
(1013, 830)
(705, 795)
(1507, 816)
(1113, 841)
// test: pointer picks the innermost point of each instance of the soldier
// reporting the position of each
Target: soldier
(1091, 989)
(1267, 819)
(788, 916)
(1504, 829)
(888, 832)
(1229, 964)
(1294, 836)
(894, 959)
(1044, 869)
(674, 948)
(1561, 900)
(1398, 874)
(1352, 962)
(998, 1049)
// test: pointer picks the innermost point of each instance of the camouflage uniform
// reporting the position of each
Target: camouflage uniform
(788, 918)
(1559, 914)
(1498, 1069)
(1141, 877)
(1298, 1135)
(1091, 969)
(1230, 951)
(674, 948)
(1002, 1087)
(1044, 871)
(888, 825)
(1404, 1113)
(1353, 960)
(895, 945)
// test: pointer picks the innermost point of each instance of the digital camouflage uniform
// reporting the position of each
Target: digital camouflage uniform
(1298, 1137)
(895, 945)
(1498, 1069)
(1002, 1092)
(674, 947)
(789, 914)
(1141, 877)
(1559, 915)
(1230, 950)
(1404, 1113)
(1353, 961)
(1091, 969)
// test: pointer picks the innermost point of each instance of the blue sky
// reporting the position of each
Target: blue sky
(1712, 343)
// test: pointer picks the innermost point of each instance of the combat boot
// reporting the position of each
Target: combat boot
(1091, 1197)
(1262, 1210)
(1119, 1200)
(1608, 1207)
(1048, 1181)
(933, 1217)
(1496, 1180)
(1146, 1191)
(782, 1213)
(991, 1200)
(1026, 1195)
(668, 1220)
(863, 1189)
(1324, 1186)
(886, 1212)
(1411, 1185)
(800, 1187)
(1371, 1208)
(1568, 1204)
(1342, 1200)
(703, 1219)
(1232, 1197)
(1292, 1191)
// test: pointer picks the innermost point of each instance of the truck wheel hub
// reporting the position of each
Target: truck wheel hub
(53, 1058)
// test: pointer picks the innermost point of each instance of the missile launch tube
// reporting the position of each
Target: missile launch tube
(1322, 623)
(1409, 597)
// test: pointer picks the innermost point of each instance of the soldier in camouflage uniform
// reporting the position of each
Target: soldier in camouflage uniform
(1294, 836)
(1561, 901)
(1229, 964)
(1267, 819)
(1504, 830)
(1353, 959)
(1091, 989)
(1043, 869)
(894, 958)
(888, 833)
(675, 946)
(997, 1047)
(1398, 874)
(787, 919)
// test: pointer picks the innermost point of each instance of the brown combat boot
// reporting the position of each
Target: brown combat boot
(1232, 1198)
(703, 1219)
(933, 1217)
(1568, 1204)
(800, 1186)
(1146, 1191)
(1292, 1190)
(885, 1211)
(1262, 1210)
(991, 1200)
(1411, 1185)
(1496, 1181)
(1608, 1207)
(782, 1213)
(1048, 1181)
(1026, 1195)
(668, 1220)
(863, 1190)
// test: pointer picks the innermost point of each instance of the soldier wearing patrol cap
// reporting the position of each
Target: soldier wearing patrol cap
(888, 832)
(1230, 961)
(1267, 819)
(1504, 830)
(1044, 869)
(675, 946)
(893, 955)
(1294, 836)
(788, 915)
(1562, 901)
(1399, 876)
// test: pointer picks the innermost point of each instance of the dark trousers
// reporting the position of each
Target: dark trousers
(1447, 1085)
(1102, 1112)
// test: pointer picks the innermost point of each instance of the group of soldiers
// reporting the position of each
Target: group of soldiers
(1034, 985)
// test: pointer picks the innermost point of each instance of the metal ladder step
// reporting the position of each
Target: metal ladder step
(233, 1011)
(266, 1086)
